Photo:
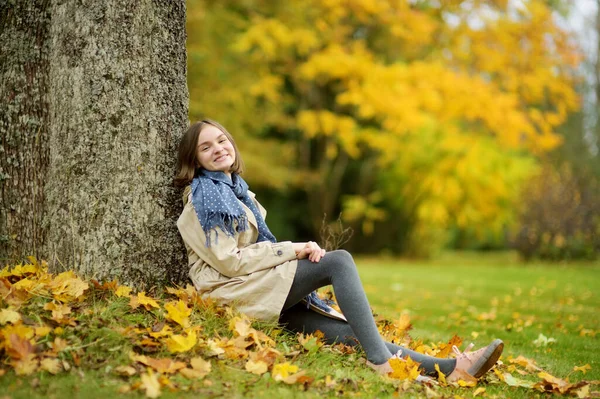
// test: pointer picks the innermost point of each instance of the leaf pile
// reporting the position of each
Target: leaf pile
(152, 343)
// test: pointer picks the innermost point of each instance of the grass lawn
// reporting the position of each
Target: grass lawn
(476, 296)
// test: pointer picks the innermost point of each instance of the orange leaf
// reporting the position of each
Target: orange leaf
(446, 349)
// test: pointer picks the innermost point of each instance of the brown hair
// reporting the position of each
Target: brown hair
(186, 155)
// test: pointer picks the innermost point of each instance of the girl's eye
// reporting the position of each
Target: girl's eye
(222, 140)
(204, 149)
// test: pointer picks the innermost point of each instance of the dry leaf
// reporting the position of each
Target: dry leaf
(52, 366)
(164, 365)
(9, 316)
(529, 364)
(446, 349)
(150, 384)
(67, 286)
(258, 367)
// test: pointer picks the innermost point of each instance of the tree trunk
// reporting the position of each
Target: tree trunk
(118, 108)
(23, 127)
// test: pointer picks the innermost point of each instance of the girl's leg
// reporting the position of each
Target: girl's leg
(299, 319)
(337, 268)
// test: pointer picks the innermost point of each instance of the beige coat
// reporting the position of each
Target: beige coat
(254, 276)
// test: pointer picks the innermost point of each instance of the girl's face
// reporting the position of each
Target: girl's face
(214, 151)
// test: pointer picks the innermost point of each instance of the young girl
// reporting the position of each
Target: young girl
(235, 259)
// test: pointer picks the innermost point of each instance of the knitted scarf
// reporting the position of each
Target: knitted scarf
(215, 199)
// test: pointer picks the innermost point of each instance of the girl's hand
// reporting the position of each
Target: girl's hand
(312, 251)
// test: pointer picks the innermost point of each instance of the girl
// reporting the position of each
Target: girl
(235, 259)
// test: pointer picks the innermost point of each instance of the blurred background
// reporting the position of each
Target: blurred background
(421, 125)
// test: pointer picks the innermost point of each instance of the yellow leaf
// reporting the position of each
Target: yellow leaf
(25, 365)
(67, 286)
(180, 343)
(441, 375)
(478, 391)
(584, 369)
(9, 316)
(150, 384)
(164, 365)
(142, 300)
(59, 312)
(404, 369)
(42, 331)
(283, 370)
(52, 366)
(258, 367)
(179, 313)
(123, 291)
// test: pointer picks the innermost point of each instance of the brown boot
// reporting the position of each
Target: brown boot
(472, 365)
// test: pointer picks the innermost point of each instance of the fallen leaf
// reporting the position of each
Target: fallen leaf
(52, 366)
(123, 291)
(480, 390)
(258, 367)
(180, 343)
(446, 349)
(542, 340)
(404, 369)
(164, 365)
(141, 299)
(283, 370)
(150, 384)
(441, 376)
(200, 365)
(529, 364)
(512, 381)
(67, 286)
(9, 316)
(179, 313)
(584, 369)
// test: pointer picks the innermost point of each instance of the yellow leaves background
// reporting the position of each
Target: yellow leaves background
(443, 119)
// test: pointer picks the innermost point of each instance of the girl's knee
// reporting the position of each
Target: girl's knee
(343, 256)
(340, 259)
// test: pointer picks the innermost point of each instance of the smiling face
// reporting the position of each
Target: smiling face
(214, 151)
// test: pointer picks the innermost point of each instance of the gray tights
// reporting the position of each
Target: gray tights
(337, 268)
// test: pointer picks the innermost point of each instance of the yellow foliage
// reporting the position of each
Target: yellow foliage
(179, 313)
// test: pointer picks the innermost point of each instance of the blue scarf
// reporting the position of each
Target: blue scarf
(215, 199)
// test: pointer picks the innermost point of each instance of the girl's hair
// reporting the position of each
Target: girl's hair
(186, 155)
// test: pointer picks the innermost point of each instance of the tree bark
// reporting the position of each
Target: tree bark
(118, 108)
(24, 51)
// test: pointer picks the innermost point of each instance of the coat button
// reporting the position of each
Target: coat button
(280, 252)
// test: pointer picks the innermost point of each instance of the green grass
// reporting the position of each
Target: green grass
(478, 297)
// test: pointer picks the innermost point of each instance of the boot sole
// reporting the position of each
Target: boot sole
(489, 358)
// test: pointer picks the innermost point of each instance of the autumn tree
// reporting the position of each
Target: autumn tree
(438, 109)
(117, 104)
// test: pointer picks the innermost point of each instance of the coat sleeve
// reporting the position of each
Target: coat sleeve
(224, 254)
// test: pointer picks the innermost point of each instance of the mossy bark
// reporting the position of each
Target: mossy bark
(117, 83)
(24, 147)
